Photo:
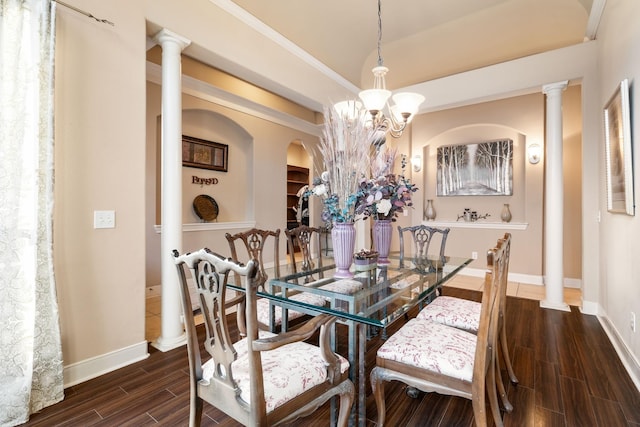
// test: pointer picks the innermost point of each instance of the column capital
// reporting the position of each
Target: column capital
(165, 35)
(554, 87)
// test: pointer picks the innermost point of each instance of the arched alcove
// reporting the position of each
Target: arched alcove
(299, 170)
(449, 207)
(233, 205)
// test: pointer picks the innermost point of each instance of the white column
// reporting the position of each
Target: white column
(172, 334)
(554, 199)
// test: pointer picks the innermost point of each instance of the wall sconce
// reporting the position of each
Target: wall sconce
(416, 161)
(534, 152)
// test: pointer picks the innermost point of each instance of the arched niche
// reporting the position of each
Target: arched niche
(448, 208)
(232, 190)
(299, 176)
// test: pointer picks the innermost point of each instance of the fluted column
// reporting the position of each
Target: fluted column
(554, 200)
(172, 334)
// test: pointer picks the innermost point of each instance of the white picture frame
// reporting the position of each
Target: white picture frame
(618, 152)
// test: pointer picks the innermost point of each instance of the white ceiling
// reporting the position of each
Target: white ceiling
(422, 39)
(334, 42)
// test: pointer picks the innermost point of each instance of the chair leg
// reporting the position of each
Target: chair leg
(346, 401)
(508, 407)
(479, 404)
(195, 413)
(505, 356)
(377, 386)
(493, 396)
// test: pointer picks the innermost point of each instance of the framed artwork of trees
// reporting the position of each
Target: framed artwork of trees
(479, 169)
(617, 126)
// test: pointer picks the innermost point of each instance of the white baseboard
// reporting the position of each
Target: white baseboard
(628, 359)
(529, 279)
(87, 369)
(590, 307)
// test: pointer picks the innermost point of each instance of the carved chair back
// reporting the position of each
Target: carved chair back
(255, 242)
(309, 241)
(421, 238)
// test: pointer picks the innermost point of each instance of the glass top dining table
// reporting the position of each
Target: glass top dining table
(376, 296)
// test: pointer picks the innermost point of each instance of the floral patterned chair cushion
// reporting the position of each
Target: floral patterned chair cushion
(262, 307)
(457, 312)
(288, 371)
(403, 283)
(432, 346)
(344, 286)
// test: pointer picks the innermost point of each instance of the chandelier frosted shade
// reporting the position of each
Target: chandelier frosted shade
(348, 109)
(407, 103)
(375, 99)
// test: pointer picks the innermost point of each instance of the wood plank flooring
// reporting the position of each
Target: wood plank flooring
(569, 376)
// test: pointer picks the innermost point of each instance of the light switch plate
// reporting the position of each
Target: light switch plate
(104, 219)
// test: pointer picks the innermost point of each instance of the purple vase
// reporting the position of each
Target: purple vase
(382, 239)
(343, 236)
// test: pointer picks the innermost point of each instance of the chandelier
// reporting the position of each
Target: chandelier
(386, 117)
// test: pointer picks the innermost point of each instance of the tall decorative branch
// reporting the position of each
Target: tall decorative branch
(345, 149)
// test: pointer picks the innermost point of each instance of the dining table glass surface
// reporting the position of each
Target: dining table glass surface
(376, 295)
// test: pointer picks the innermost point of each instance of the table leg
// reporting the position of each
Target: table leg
(353, 360)
(334, 400)
(362, 395)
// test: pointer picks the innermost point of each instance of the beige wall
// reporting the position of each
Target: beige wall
(522, 120)
(99, 165)
(619, 289)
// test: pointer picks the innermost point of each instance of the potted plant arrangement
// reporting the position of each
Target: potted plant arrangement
(383, 197)
(345, 153)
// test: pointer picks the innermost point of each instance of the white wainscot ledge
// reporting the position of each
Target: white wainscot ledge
(212, 226)
(479, 225)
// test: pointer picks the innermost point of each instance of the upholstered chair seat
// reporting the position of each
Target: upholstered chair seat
(263, 308)
(433, 347)
(457, 312)
(277, 365)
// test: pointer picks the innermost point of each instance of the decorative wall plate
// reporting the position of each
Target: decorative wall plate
(205, 207)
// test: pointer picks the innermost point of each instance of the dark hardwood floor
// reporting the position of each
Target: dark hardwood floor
(569, 375)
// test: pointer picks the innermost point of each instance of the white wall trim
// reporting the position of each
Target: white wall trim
(266, 31)
(492, 225)
(590, 307)
(631, 364)
(93, 367)
(529, 279)
(209, 226)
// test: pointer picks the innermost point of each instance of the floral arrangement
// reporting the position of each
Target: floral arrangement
(386, 194)
(364, 254)
(345, 153)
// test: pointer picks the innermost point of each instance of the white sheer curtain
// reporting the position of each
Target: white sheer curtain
(30, 348)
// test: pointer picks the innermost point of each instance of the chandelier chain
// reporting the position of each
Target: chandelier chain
(380, 62)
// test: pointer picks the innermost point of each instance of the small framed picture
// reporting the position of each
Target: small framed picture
(203, 154)
(617, 133)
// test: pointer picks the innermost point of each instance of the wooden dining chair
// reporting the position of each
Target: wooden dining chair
(465, 314)
(308, 240)
(254, 243)
(263, 379)
(421, 238)
(433, 357)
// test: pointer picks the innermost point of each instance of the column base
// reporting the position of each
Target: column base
(554, 305)
(164, 344)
